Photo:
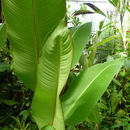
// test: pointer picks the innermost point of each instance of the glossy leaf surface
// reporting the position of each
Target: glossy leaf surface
(87, 89)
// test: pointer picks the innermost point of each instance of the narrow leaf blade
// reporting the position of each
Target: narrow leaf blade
(96, 9)
(102, 42)
(82, 12)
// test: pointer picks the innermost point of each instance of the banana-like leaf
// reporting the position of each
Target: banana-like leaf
(42, 50)
(2, 35)
(29, 23)
(54, 67)
(80, 36)
(85, 91)
(102, 42)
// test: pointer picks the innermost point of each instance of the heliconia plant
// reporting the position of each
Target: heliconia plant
(43, 57)
(42, 53)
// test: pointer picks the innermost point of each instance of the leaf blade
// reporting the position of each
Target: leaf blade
(54, 67)
(80, 37)
(83, 88)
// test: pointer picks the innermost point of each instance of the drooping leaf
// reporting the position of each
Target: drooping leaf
(92, 6)
(96, 9)
(42, 50)
(102, 42)
(82, 12)
(2, 35)
(87, 89)
(80, 36)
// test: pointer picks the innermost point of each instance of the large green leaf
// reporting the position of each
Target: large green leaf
(54, 67)
(80, 36)
(86, 90)
(42, 50)
(29, 24)
(2, 35)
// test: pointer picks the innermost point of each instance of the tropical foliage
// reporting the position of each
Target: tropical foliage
(51, 77)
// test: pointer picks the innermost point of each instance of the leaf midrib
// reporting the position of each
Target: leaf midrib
(53, 116)
(36, 44)
(35, 32)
